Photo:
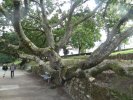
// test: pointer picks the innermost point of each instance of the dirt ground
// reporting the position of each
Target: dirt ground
(25, 86)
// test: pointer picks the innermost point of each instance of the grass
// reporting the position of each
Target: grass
(112, 54)
(33, 63)
(17, 62)
(123, 52)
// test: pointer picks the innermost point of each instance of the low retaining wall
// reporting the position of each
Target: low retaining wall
(81, 89)
(78, 90)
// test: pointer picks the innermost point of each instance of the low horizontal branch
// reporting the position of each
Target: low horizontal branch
(113, 65)
(38, 60)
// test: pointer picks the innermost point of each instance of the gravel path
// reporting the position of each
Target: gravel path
(24, 86)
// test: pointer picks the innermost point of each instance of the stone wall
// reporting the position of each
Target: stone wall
(81, 89)
(77, 89)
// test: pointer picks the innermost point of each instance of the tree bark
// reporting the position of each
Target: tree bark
(105, 49)
(113, 65)
(113, 40)
(64, 40)
(46, 66)
(46, 26)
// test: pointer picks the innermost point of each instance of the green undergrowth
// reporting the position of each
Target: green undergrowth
(33, 63)
(112, 54)
(119, 96)
(17, 62)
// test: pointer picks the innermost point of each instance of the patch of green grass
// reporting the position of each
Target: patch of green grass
(123, 52)
(17, 62)
(33, 63)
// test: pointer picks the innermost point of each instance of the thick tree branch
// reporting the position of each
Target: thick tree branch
(124, 19)
(107, 65)
(26, 4)
(34, 29)
(69, 29)
(110, 44)
(91, 14)
(14, 50)
(22, 37)
(62, 18)
(60, 21)
(44, 15)
(18, 28)
(114, 65)
(38, 60)
(104, 18)
(13, 46)
(35, 2)
(46, 26)
(105, 49)
(3, 11)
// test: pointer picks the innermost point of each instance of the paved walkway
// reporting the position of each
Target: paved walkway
(26, 87)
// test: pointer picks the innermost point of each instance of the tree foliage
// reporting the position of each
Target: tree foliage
(85, 35)
(6, 58)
